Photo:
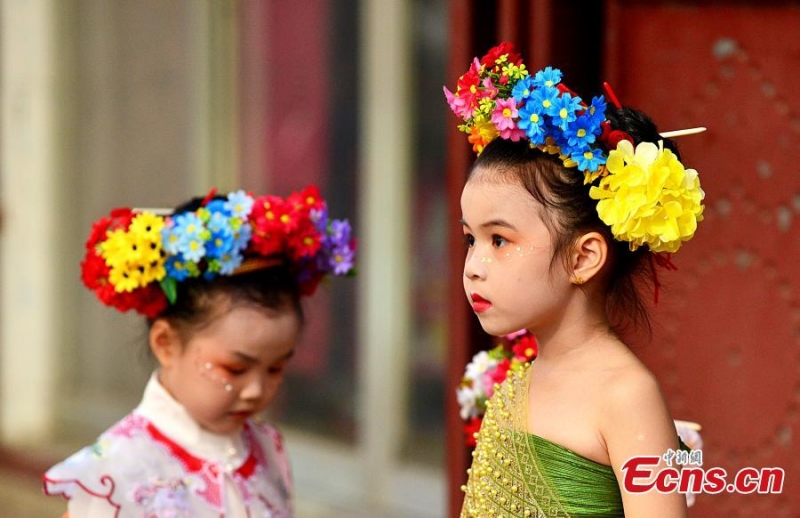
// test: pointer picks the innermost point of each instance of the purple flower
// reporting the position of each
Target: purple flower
(342, 259)
(340, 233)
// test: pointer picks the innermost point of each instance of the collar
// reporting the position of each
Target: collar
(171, 419)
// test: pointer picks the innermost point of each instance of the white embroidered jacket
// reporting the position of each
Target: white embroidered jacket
(157, 462)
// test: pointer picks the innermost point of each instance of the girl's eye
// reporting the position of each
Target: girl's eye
(275, 369)
(469, 240)
(498, 241)
(235, 370)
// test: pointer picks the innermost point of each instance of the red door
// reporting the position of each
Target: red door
(726, 344)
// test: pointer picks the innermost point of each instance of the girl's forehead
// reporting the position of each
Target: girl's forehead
(485, 196)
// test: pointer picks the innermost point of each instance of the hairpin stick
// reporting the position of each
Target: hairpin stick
(689, 424)
(611, 95)
(158, 211)
(682, 132)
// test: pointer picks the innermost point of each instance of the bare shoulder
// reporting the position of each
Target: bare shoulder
(631, 385)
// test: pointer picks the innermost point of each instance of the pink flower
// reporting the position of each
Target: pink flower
(503, 117)
(461, 106)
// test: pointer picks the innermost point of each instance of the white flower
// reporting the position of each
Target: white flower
(466, 400)
(480, 364)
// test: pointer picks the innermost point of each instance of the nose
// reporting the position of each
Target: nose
(474, 268)
(259, 386)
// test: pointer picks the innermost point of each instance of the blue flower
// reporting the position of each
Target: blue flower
(547, 78)
(229, 262)
(188, 225)
(532, 122)
(192, 247)
(589, 160)
(216, 207)
(219, 244)
(581, 132)
(597, 111)
(542, 99)
(242, 236)
(170, 240)
(523, 89)
(176, 268)
(563, 110)
(239, 204)
(219, 223)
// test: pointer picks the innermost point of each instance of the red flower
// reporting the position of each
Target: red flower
(306, 200)
(497, 375)
(94, 272)
(150, 301)
(472, 427)
(611, 137)
(526, 348)
(494, 53)
(269, 233)
(305, 242)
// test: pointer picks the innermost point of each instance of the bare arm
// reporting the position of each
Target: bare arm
(636, 423)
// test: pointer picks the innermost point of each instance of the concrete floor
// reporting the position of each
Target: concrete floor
(21, 497)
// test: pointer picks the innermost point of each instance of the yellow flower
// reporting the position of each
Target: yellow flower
(482, 133)
(515, 72)
(120, 248)
(125, 279)
(147, 225)
(153, 271)
(648, 197)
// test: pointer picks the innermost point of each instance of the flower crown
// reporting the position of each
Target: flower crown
(644, 194)
(135, 258)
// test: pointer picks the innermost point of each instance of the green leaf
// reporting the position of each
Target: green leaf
(170, 287)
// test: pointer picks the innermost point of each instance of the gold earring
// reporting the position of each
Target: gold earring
(579, 280)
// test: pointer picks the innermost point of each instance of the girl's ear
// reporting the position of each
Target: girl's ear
(165, 342)
(588, 257)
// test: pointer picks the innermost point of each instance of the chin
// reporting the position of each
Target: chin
(498, 328)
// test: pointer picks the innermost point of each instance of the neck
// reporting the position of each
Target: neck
(582, 325)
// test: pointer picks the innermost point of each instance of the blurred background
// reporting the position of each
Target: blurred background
(107, 103)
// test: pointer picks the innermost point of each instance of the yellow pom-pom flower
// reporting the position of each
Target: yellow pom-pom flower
(648, 197)
(134, 255)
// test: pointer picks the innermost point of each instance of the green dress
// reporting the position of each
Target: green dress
(515, 473)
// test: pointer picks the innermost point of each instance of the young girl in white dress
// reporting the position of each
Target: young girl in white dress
(220, 281)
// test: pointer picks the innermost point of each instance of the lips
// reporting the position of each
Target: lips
(479, 304)
(244, 414)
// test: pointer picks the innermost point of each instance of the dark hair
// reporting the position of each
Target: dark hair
(272, 289)
(571, 212)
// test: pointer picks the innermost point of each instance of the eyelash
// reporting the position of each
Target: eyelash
(497, 240)
(235, 371)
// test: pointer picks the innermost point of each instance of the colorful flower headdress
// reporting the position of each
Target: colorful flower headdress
(644, 193)
(135, 258)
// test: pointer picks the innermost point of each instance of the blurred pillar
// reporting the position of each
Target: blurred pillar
(384, 278)
(30, 205)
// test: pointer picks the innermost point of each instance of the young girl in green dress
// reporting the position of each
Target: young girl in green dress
(564, 213)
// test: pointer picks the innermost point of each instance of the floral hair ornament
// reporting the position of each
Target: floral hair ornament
(644, 193)
(135, 258)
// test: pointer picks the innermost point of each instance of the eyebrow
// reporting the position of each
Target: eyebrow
(493, 223)
(250, 359)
